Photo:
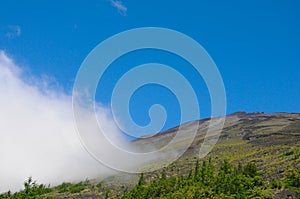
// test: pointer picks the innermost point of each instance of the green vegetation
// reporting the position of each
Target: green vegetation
(73, 188)
(31, 190)
(292, 179)
(203, 181)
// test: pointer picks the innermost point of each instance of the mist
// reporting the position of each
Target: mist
(37, 133)
(40, 139)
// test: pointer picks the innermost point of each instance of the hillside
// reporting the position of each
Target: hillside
(269, 141)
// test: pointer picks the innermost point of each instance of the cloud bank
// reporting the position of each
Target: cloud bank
(38, 136)
(37, 133)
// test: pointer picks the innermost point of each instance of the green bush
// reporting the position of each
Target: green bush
(275, 184)
(32, 190)
(292, 179)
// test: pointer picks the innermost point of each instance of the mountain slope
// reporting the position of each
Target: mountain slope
(258, 137)
(270, 141)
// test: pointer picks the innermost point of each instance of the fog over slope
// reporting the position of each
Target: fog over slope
(38, 135)
(37, 132)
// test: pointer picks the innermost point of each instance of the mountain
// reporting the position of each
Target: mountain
(257, 137)
(269, 141)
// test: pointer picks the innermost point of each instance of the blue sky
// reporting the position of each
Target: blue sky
(255, 45)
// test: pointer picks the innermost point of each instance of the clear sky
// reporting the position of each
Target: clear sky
(255, 44)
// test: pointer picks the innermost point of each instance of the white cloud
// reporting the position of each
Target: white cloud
(13, 31)
(120, 6)
(38, 136)
(37, 133)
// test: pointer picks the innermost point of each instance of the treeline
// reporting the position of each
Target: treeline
(32, 190)
(237, 182)
(203, 181)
